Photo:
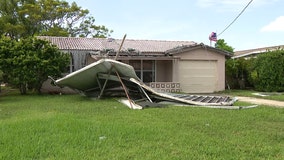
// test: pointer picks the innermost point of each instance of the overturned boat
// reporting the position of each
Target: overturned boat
(108, 77)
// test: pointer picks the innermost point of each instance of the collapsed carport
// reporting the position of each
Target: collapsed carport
(108, 77)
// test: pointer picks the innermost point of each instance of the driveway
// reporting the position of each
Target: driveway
(272, 103)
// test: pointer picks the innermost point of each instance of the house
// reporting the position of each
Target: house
(165, 65)
(254, 52)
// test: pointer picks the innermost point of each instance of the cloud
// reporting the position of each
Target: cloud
(274, 26)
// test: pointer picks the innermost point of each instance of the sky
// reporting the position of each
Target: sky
(260, 25)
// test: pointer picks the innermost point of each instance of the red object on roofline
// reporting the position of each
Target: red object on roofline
(213, 37)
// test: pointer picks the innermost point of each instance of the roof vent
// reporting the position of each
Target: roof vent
(130, 49)
(110, 39)
(109, 50)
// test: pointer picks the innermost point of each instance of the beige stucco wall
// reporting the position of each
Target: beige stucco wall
(164, 71)
(204, 54)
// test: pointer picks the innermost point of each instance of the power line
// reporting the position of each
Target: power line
(236, 18)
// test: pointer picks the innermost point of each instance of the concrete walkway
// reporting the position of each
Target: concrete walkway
(272, 103)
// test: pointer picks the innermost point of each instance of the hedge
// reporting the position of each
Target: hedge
(263, 73)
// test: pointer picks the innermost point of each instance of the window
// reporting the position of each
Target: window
(78, 60)
(145, 69)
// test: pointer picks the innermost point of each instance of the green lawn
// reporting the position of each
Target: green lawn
(76, 127)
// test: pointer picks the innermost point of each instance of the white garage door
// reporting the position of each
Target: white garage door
(198, 76)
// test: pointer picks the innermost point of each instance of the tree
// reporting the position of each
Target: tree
(6, 56)
(24, 18)
(221, 44)
(1, 79)
(29, 62)
(9, 19)
(87, 28)
(235, 69)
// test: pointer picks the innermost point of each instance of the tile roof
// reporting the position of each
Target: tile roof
(95, 44)
(73, 43)
(195, 46)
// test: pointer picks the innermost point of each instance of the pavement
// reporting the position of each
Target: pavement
(259, 101)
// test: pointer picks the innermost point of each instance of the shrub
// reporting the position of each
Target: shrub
(237, 71)
(267, 71)
(27, 63)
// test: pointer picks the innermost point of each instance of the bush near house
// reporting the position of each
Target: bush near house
(237, 73)
(27, 63)
(263, 73)
(267, 71)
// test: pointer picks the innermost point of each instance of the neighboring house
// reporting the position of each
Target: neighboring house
(165, 65)
(254, 52)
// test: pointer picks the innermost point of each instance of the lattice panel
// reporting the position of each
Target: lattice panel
(166, 86)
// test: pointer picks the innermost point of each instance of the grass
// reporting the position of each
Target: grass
(76, 127)
(250, 93)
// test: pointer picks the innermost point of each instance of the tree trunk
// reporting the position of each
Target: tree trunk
(38, 87)
(23, 88)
